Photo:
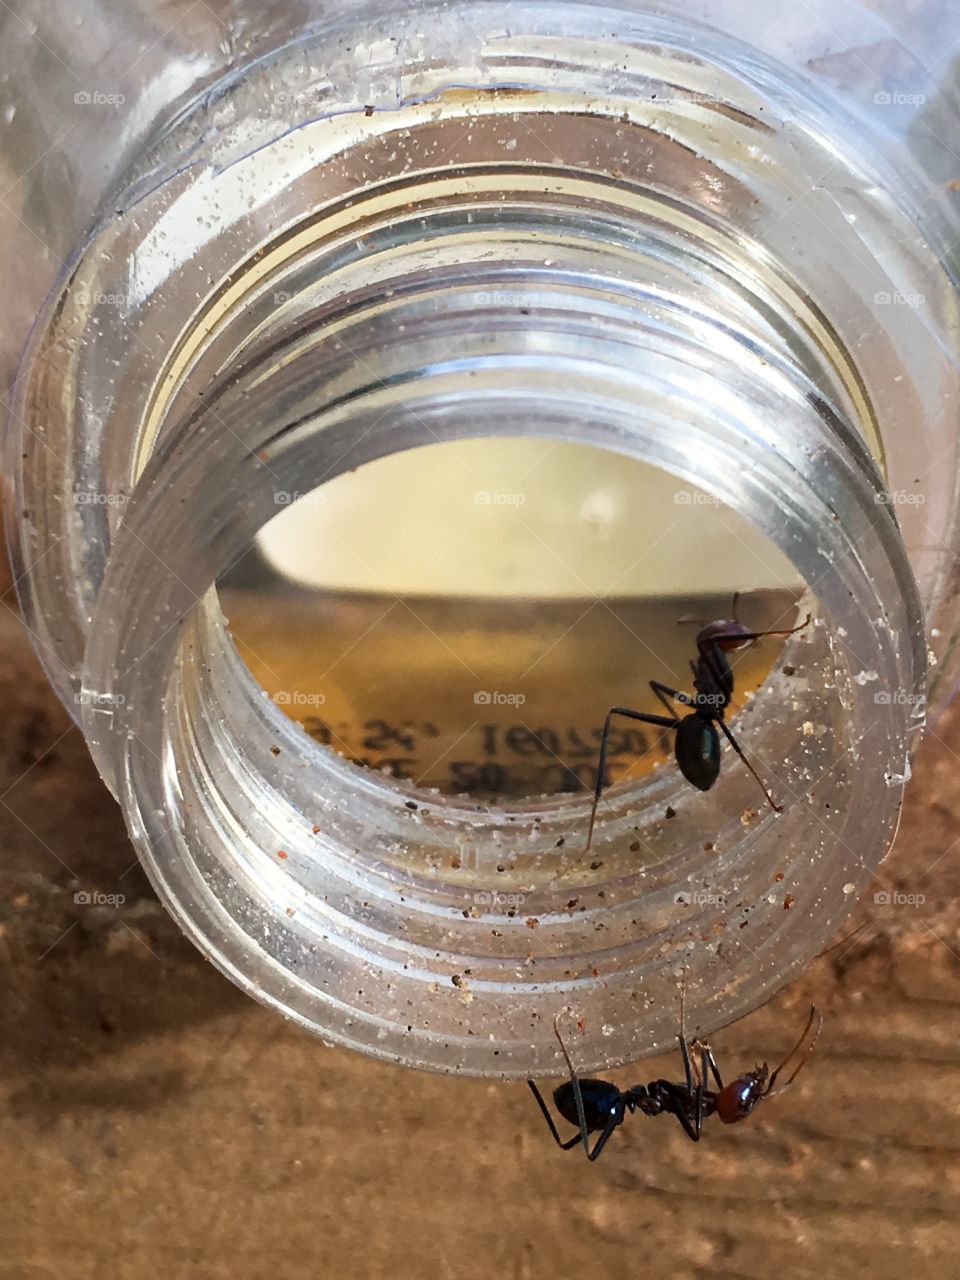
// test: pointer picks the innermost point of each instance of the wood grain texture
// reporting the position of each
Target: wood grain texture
(154, 1122)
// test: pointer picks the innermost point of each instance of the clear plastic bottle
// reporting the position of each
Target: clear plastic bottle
(717, 246)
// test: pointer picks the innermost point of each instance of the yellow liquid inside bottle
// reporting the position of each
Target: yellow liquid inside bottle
(491, 674)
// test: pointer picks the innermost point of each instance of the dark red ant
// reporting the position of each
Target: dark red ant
(697, 744)
(598, 1106)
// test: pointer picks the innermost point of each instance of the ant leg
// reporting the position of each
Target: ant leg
(691, 1068)
(707, 1067)
(688, 1070)
(739, 750)
(695, 1091)
(584, 1136)
(564, 1146)
(706, 1059)
(664, 693)
(710, 1062)
(643, 717)
(679, 1104)
(575, 1081)
(613, 1123)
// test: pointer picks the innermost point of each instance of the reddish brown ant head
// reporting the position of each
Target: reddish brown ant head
(740, 1097)
(726, 634)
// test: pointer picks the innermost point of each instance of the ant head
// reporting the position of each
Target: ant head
(726, 634)
(740, 1097)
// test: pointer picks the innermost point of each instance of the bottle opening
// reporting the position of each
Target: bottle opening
(462, 616)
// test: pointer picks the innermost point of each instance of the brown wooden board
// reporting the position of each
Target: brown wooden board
(155, 1122)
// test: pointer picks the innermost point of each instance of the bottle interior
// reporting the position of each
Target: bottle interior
(463, 616)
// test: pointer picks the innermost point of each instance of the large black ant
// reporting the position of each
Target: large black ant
(599, 1106)
(697, 744)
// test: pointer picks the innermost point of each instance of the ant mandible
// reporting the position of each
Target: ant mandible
(697, 744)
(598, 1106)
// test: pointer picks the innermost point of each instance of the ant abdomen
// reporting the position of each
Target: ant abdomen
(600, 1102)
(697, 750)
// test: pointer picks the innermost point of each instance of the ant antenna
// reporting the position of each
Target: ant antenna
(787, 631)
(814, 1014)
(847, 937)
(752, 637)
(705, 622)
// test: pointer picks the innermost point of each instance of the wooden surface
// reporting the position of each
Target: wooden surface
(154, 1122)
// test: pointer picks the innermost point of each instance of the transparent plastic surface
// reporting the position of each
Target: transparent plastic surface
(717, 251)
